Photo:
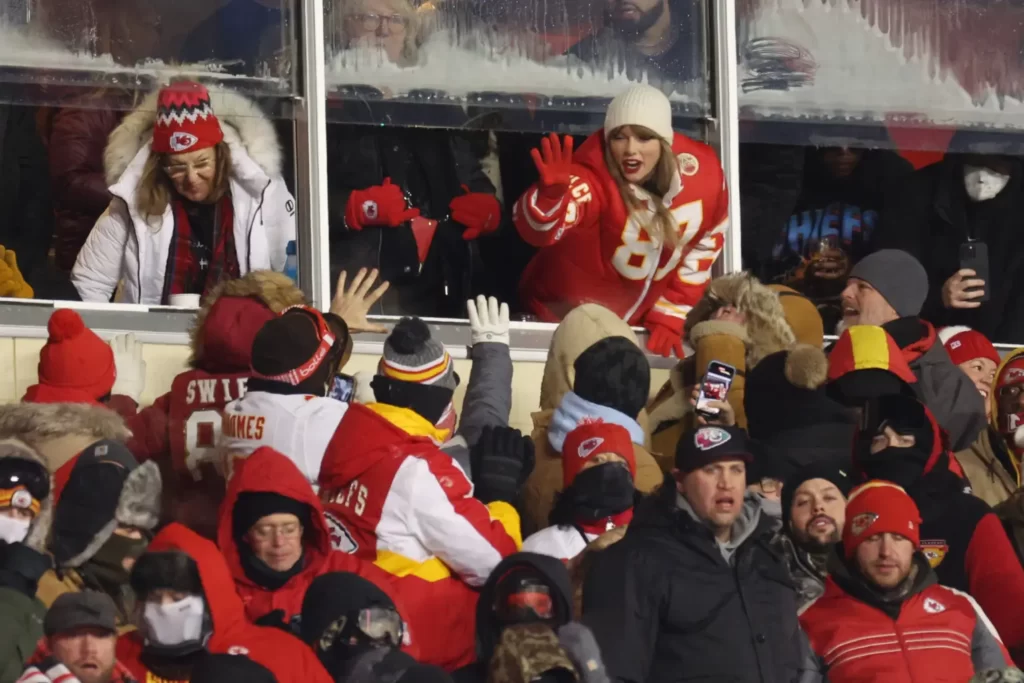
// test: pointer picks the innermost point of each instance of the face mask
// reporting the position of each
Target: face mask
(13, 530)
(601, 492)
(109, 559)
(176, 623)
(983, 183)
(902, 466)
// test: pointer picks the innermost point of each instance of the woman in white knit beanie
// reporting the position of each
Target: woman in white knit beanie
(633, 220)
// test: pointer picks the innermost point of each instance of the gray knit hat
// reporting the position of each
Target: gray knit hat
(898, 276)
(1010, 675)
(411, 355)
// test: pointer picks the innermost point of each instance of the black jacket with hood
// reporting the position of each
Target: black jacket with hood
(542, 653)
(930, 216)
(430, 166)
(665, 605)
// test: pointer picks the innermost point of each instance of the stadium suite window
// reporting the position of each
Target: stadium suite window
(866, 124)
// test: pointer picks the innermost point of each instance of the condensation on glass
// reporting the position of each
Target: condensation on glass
(511, 64)
(858, 118)
(136, 44)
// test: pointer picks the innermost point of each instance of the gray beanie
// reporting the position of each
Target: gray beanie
(898, 276)
(412, 355)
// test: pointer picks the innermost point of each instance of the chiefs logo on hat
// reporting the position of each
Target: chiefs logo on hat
(935, 550)
(588, 447)
(21, 499)
(861, 522)
(181, 141)
(707, 438)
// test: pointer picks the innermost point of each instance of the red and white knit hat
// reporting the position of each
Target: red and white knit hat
(591, 439)
(185, 121)
(879, 507)
(964, 344)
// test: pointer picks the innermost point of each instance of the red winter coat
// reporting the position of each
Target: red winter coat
(287, 657)
(936, 634)
(76, 141)
(408, 507)
(181, 428)
(593, 250)
(268, 470)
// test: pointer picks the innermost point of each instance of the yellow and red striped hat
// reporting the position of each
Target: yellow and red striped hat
(867, 347)
(411, 355)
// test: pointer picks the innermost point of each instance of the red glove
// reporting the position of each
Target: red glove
(478, 211)
(378, 205)
(554, 165)
(664, 340)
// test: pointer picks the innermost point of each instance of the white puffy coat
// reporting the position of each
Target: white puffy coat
(122, 245)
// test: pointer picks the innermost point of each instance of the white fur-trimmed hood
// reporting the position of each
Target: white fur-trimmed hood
(241, 119)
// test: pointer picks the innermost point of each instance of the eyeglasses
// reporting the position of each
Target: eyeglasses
(267, 532)
(177, 171)
(373, 22)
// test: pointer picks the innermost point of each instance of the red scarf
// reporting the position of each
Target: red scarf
(193, 268)
(613, 522)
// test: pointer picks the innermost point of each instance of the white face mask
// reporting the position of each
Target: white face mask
(983, 184)
(13, 530)
(175, 623)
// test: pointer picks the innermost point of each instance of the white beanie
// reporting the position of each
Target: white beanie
(644, 106)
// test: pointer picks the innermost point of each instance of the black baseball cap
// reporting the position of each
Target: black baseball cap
(706, 444)
(88, 609)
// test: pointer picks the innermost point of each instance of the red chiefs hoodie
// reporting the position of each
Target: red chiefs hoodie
(269, 470)
(286, 656)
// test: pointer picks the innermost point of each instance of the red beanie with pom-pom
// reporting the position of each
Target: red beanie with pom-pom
(74, 361)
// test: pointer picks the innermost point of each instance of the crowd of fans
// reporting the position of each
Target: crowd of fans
(845, 514)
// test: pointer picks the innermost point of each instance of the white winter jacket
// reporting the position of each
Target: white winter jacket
(123, 246)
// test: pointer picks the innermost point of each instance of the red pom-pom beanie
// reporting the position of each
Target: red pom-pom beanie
(74, 362)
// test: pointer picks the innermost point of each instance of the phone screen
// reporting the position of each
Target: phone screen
(715, 387)
(342, 388)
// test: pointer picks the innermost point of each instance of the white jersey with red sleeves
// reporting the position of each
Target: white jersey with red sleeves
(595, 250)
(298, 425)
(396, 499)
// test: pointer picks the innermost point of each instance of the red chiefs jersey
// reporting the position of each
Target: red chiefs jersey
(595, 250)
(197, 404)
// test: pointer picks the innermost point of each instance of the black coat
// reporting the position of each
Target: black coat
(930, 216)
(664, 604)
(431, 165)
(26, 214)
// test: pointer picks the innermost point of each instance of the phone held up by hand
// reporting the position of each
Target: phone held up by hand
(715, 387)
(974, 255)
(343, 388)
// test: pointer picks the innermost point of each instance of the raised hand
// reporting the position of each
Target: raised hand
(554, 164)
(353, 304)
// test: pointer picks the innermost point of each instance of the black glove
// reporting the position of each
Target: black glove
(21, 567)
(501, 460)
(274, 619)
(579, 643)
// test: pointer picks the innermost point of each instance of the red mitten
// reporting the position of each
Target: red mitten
(554, 166)
(478, 211)
(664, 340)
(378, 205)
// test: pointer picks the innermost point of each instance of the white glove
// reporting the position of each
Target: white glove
(131, 369)
(363, 392)
(488, 320)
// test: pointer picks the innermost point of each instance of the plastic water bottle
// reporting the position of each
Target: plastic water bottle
(291, 264)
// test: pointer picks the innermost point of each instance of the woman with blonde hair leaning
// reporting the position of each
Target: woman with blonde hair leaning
(633, 220)
(195, 202)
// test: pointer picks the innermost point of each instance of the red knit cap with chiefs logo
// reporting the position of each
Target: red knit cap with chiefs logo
(185, 121)
(591, 439)
(879, 507)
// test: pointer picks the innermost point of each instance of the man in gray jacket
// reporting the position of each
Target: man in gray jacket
(888, 289)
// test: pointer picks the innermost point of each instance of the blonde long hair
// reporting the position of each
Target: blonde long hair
(663, 226)
(155, 189)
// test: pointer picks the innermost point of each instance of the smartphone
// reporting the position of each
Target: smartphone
(343, 388)
(974, 255)
(715, 387)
